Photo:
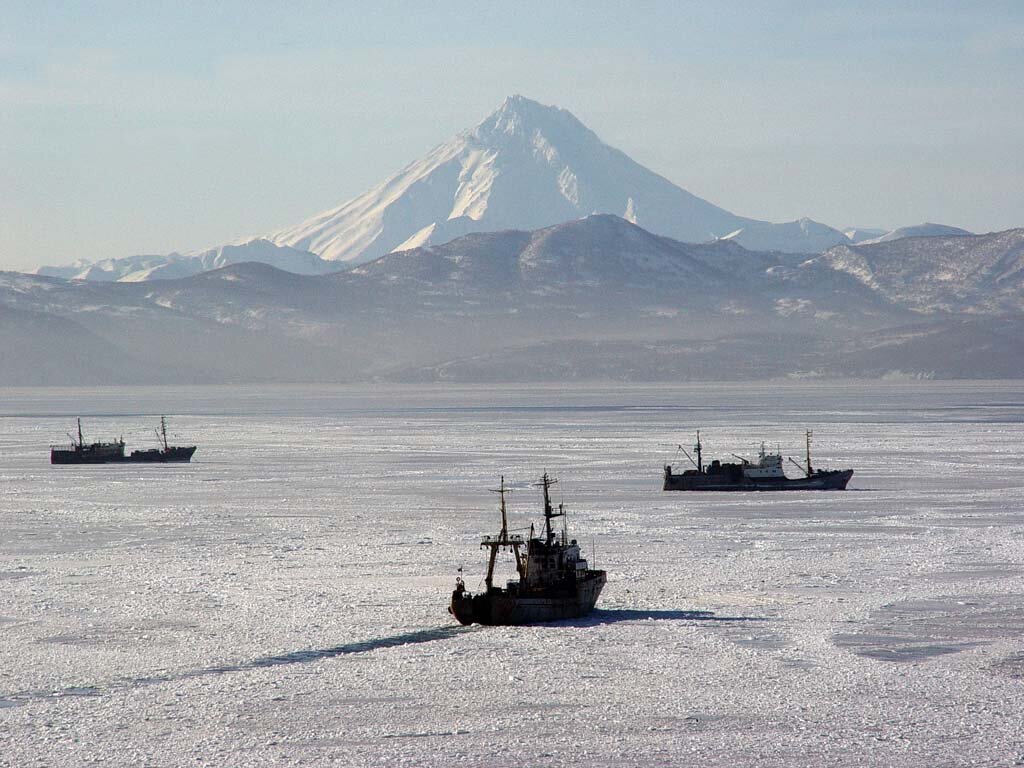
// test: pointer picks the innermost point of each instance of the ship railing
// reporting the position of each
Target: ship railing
(515, 538)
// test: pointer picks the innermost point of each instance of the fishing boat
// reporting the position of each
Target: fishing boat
(555, 581)
(81, 452)
(766, 474)
(165, 453)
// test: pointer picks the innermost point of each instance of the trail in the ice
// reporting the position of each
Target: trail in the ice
(443, 632)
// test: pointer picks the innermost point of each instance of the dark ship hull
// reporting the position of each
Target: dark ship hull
(154, 456)
(825, 480)
(161, 456)
(86, 455)
(508, 607)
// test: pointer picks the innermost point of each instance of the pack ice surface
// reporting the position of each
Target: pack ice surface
(281, 600)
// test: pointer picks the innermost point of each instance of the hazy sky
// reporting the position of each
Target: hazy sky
(151, 127)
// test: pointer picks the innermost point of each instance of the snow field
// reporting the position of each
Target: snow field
(281, 600)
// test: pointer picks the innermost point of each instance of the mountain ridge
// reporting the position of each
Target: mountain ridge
(597, 297)
(145, 267)
(956, 273)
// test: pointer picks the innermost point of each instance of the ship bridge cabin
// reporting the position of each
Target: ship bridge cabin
(769, 466)
(551, 562)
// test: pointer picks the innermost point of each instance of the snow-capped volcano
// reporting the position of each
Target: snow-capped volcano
(528, 166)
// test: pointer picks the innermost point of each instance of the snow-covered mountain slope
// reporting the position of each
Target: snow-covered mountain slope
(528, 166)
(918, 230)
(960, 273)
(801, 236)
(600, 253)
(860, 234)
(112, 270)
(175, 265)
(603, 266)
(265, 252)
(66, 272)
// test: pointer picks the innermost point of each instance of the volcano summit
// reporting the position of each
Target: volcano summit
(528, 166)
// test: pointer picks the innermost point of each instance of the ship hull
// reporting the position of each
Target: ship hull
(62, 456)
(173, 454)
(834, 480)
(502, 608)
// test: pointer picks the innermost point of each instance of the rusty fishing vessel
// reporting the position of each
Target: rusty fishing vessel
(767, 474)
(165, 453)
(555, 581)
(81, 452)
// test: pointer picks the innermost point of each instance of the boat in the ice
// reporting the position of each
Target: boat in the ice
(767, 474)
(165, 453)
(555, 581)
(81, 452)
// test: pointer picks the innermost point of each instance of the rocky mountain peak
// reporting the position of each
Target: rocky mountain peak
(518, 117)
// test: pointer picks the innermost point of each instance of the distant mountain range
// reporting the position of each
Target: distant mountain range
(527, 249)
(137, 269)
(920, 230)
(525, 166)
(959, 273)
(592, 298)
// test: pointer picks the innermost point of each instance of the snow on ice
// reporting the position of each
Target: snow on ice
(281, 600)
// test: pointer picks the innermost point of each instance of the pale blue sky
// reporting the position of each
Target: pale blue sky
(144, 127)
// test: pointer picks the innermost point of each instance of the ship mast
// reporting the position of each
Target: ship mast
(808, 437)
(502, 540)
(163, 432)
(81, 442)
(549, 513)
(700, 463)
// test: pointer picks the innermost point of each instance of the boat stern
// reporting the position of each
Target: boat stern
(461, 605)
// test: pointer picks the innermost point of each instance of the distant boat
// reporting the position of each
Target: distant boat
(555, 582)
(166, 453)
(92, 453)
(81, 452)
(765, 475)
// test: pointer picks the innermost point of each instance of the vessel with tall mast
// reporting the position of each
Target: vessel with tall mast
(555, 581)
(767, 474)
(165, 453)
(81, 452)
